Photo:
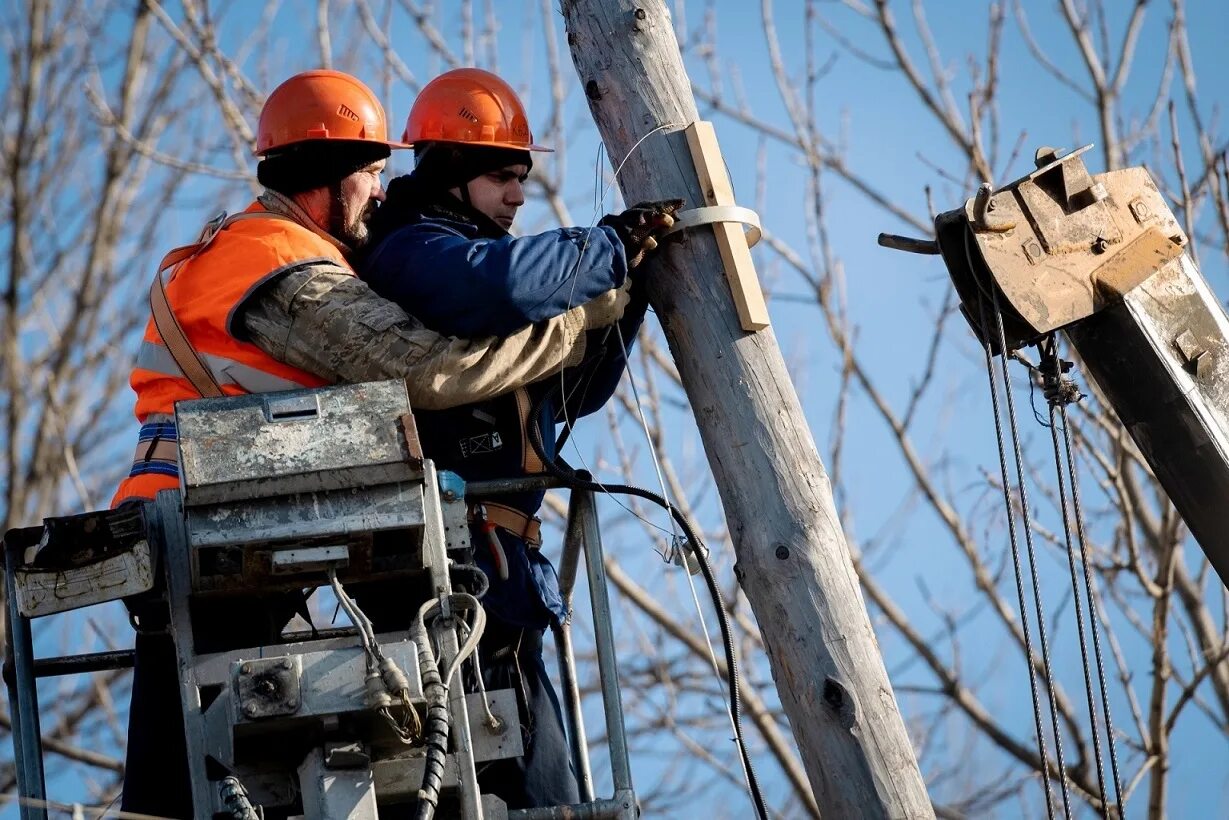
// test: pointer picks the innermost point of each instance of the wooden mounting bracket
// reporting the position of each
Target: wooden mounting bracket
(731, 240)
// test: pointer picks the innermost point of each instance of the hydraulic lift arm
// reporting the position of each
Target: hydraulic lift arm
(1103, 259)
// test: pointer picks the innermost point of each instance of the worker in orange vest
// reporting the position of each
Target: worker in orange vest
(267, 300)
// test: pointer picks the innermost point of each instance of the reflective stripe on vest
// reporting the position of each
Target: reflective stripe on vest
(203, 293)
(157, 359)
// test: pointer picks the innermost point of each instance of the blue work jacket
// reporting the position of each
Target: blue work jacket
(463, 276)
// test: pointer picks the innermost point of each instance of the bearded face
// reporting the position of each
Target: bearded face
(353, 203)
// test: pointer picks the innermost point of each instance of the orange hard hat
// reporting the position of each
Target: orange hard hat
(321, 105)
(470, 106)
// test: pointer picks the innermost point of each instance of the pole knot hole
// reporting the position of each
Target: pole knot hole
(836, 698)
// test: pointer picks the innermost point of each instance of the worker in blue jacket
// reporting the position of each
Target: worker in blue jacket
(440, 247)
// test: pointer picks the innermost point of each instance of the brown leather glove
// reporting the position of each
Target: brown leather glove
(640, 225)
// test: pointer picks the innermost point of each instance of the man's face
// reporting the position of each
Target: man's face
(500, 194)
(355, 202)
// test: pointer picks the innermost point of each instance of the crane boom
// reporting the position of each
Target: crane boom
(1103, 259)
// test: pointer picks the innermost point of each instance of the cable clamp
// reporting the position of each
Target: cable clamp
(711, 214)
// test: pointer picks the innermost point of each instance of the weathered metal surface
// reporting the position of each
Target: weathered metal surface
(1059, 244)
(397, 772)
(80, 560)
(1102, 259)
(399, 775)
(621, 807)
(217, 669)
(569, 687)
(1143, 257)
(82, 664)
(584, 507)
(1161, 357)
(258, 711)
(45, 592)
(331, 703)
(329, 790)
(309, 684)
(269, 687)
(232, 544)
(301, 441)
(501, 486)
(22, 689)
(283, 703)
(309, 559)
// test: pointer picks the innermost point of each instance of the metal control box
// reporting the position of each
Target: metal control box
(300, 441)
(278, 486)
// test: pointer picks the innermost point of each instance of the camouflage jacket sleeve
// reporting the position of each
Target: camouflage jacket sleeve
(326, 321)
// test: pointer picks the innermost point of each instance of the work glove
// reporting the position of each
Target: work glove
(606, 308)
(640, 225)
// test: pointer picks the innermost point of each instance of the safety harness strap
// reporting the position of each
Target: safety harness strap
(171, 332)
(525, 527)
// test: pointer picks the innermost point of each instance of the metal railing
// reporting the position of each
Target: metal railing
(582, 535)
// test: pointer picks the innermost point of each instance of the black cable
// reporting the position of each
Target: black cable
(468, 578)
(580, 479)
(436, 725)
(236, 801)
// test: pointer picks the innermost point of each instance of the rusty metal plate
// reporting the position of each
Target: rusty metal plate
(300, 441)
(1044, 255)
(268, 687)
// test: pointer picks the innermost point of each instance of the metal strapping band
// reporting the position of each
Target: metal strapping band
(711, 214)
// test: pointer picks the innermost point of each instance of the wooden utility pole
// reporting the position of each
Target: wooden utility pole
(793, 562)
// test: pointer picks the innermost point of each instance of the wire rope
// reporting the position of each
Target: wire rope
(1015, 547)
(1060, 390)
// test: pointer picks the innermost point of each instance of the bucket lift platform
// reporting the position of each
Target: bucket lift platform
(278, 491)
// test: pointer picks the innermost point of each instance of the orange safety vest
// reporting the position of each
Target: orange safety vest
(233, 258)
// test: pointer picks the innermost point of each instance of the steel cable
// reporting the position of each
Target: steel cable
(1079, 610)
(1032, 554)
(1051, 368)
(1015, 547)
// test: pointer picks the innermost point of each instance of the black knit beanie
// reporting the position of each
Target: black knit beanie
(316, 164)
(441, 166)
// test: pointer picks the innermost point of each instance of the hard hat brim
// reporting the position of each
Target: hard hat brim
(390, 143)
(515, 146)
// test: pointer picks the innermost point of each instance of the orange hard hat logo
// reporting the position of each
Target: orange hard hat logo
(470, 106)
(321, 105)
